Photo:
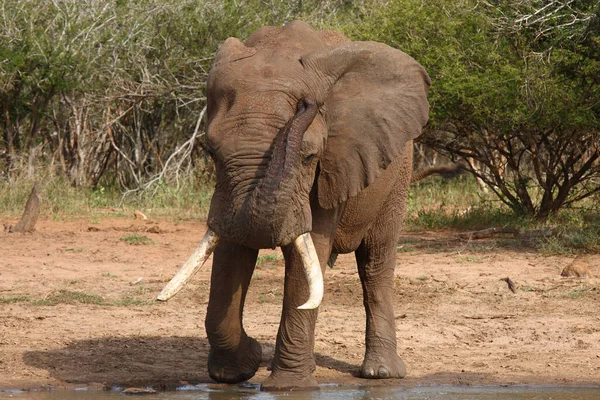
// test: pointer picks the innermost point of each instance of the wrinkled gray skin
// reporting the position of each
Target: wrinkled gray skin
(309, 132)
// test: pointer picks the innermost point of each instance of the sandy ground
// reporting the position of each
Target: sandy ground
(70, 315)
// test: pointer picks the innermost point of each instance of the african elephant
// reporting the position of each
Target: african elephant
(311, 135)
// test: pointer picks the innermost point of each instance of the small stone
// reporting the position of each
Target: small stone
(578, 268)
(154, 229)
(135, 282)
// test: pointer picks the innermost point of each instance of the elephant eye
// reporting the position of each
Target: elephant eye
(308, 159)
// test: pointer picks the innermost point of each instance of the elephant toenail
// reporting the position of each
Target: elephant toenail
(383, 372)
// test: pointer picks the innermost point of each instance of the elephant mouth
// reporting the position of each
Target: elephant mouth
(303, 245)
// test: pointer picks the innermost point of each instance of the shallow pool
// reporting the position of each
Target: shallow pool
(251, 392)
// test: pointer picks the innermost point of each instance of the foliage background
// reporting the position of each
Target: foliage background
(109, 95)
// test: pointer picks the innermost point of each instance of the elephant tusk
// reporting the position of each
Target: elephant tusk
(312, 269)
(192, 265)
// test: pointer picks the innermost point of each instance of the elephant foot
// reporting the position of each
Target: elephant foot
(236, 366)
(382, 365)
(284, 381)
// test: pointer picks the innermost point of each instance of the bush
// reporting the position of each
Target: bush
(97, 89)
(111, 94)
(515, 91)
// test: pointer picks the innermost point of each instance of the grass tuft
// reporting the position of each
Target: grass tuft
(65, 296)
(69, 297)
(267, 261)
(577, 293)
(460, 205)
(404, 249)
(61, 200)
(128, 301)
(136, 240)
(16, 299)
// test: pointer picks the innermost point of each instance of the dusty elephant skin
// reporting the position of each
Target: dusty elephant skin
(313, 133)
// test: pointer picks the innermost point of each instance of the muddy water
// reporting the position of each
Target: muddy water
(204, 392)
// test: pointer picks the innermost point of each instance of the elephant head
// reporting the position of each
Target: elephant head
(299, 118)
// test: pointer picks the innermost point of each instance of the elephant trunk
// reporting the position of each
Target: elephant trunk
(270, 202)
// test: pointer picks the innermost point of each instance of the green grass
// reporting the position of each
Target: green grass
(577, 293)
(128, 301)
(65, 296)
(434, 204)
(136, 240)
(63, 201)
(267, 261)
(456, 204)
(404, 249)
(460, 205)
(69, 297)
(16, 299)
(578, 230)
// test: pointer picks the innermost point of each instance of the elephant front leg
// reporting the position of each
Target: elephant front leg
(234, 356)
(376, 269)
(293, 362)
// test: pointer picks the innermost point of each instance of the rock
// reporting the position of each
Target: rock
(139, 215)
(578, 268)
(154, 229)
(135, 282)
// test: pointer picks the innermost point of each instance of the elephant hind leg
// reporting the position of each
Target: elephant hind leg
(376, 261)
(376, 270)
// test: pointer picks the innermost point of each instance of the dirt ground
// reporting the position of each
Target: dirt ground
(72, 314)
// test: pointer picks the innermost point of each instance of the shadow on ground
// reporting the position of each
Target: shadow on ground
(161, 362)
(164, 363)
(431, 242)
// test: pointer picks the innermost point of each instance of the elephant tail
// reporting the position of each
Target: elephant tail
(446, 171)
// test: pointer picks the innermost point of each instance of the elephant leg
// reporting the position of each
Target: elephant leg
(234, 356)
(293, 362)
(376, 261)
(376, 269)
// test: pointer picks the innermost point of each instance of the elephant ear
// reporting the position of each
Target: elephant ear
(374, 99)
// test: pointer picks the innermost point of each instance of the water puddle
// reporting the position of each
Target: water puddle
(251, 392)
